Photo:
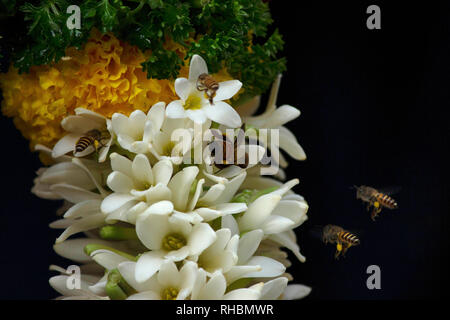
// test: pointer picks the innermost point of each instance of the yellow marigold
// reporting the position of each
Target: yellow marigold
(104, 76)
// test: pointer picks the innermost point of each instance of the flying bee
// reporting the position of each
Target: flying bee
(377, 199)
(229, 149)
(342, 238)
(207, 83)
(93, 137)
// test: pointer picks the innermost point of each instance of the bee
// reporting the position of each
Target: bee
(93, 137)
(229, 150)
(207, 83)
(343, 239)
(377, 199)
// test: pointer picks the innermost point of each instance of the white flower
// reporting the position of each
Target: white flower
(60, 284)
(169, 238)
(80, 183)
(276, 118)
(250, 266)
(214, 289)
(220, 255)
(136, 185)
(168, 284)
(196, 106)
(272, 213)
(140, 188)
(163, 137)
(78, 126)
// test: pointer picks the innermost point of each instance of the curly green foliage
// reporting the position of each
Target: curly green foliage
(227, 33)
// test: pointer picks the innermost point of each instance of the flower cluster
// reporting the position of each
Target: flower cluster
(104, 76)
(159, 226)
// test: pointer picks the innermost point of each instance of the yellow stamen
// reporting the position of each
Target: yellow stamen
(170, 293)
(173, 242)
(193, 102)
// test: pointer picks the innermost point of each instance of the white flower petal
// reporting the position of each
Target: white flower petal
(269, 267)
(121, 164)
(237, 272)
(180, 184)
(115, 201)
(221, 112)
(151, 229)
(258, 211)
(292, 209)
(162, 208)
(74, 249)
(282, 115)
(147, 265)
(168, 275)
(65, 144)
(214, 289)
(231, 187)
(296, 291)
(276, 224)
(146, 295)
(81, 225)
(119, 182)
(248, 244)
(273, 289)
(107, 259)
(183, 88)
(142, 170)
(162, 172)
(211, 195)
(74, 194)
(290, 145)
(175, 110)
(229, 222)
(83, 209)
(197, 66)
(201, 237)
(80, 124)
(243, 294)
(285, 240)
(230, 208)
(177, 255)
(198, 116)
(227, 89)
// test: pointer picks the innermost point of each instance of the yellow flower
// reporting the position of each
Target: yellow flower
(104, 76)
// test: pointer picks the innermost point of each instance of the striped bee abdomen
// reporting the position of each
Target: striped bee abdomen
(83, 143)
(386, 201)
(348, 237)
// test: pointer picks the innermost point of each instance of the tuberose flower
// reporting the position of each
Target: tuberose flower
(85, 123)
(276, 118)
(194, 103)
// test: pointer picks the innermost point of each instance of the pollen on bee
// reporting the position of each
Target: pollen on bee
(376, 204)
(339, 247)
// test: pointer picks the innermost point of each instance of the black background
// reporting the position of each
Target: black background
(374, 111)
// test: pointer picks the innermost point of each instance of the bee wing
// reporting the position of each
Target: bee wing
(316, 232)
(390, 190)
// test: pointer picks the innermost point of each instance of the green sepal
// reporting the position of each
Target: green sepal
(118, 233)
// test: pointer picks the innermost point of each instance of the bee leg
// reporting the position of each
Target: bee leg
(338, 250)
(375, 213)
(344, 249)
